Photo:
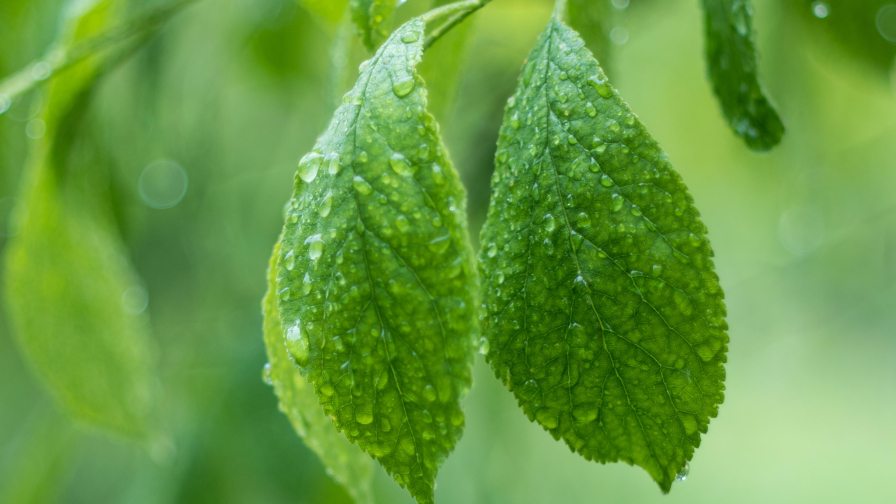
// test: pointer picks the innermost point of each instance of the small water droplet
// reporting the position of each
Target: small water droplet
(492, 250)
(484, 346)
(400, 165)
(326, 204)
(683, 474)
(266, 374)
(362, 186)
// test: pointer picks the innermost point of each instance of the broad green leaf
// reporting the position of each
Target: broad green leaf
(733, 70)
(67, 270)
(376, 282)
(864, 29)
(593, 19)
(602, 312)
(346, 463)
(329, 10)
(373, 19)
(37, 464)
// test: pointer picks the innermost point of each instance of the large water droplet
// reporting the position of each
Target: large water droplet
(403, 87)
(683, 474)
(400, 165)
(484, 346)
(309, 166)
(315, 246)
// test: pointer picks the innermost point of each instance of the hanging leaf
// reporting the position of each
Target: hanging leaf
(733, 70)
(375, 279)
(602, 312)
(373, 19)
(67, 270)
(346, 463)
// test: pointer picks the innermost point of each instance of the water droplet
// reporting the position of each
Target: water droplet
(601, 86)
(683, 473)
(885, 21)
(403, 87)
(266, 374)
(306, 284)
(590, 110)
(820, 9)
(549, 223)
(326, 204)
(636, 211)
(594, 166)
(440, 244)
(492, 250)
(400, 165)
(295, 344)
(362, 186)
(499, 276)
(402, 224)
(515, 120)
(333, 166)
(315, 246)
(309, 166)
(740, 15)
(437, 176)
(134, 300)
(162, 184)
(289, 261)
(409, 38)
(606, 181)
(484, 346)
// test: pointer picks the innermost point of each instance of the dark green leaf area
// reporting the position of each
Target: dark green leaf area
(731, 59)
(345, 463)
(376, 281)
(373, 19)
(602, 311)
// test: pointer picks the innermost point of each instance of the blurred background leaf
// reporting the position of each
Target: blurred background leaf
(805, 241)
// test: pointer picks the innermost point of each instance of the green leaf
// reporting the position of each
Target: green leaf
(442, 66)
(864, 29)
(330, 11)
(376, 282)
(593, 20)
(733, 70)
(374, 20)
(602, 312)
(346, 463)
(67, 270)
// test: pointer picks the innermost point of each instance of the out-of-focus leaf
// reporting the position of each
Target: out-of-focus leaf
(346, 463)
(34, 470)
(731, 59)
(329, 10)
(373, 19)
(602, 310)
(442, 67)
(859, 27)
(593, 19)
(67, 270)
(376, 282)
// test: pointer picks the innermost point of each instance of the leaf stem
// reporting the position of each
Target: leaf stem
(457, 11)
(61, 57)
(560, 10)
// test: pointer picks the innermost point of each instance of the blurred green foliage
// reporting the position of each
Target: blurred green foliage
(235, 91)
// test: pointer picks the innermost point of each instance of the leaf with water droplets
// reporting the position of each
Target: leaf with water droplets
(373, 19)
(602, 311)
(346, 463)
(67, 270)
(377, 293)
(733, 70)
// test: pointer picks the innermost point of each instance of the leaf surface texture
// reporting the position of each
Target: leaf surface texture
(373, 19)
(376, 284)
(602, 312)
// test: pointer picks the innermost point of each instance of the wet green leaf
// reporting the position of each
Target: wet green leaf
(373, 19)
(733, 70)
(864, 29)
(68, 272)
(602, 312)
(375, 280)
(346, 463)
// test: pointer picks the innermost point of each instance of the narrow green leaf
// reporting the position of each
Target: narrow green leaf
(593, 19)
(67, 270)
(348, 465)
(374, 20)
(864, 29)
(442, 67)
(376, 282)
(602, 312)
(733, 70)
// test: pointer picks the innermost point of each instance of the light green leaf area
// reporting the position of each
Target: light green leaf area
(442, 67)
(373, 19)
(733, 70)
(330, 11)
(865, 30)
(376, 283)
(593, 19)
(348, 465)
(602, 312)
(67, 272)
(37, 464)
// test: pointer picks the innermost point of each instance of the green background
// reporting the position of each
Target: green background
(236, 91)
